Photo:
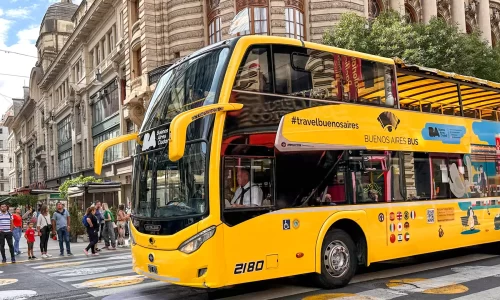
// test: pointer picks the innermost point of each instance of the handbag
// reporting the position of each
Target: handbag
(49, 226)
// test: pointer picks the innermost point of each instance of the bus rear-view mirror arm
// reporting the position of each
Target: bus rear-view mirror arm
(179, 125)
(101, 148)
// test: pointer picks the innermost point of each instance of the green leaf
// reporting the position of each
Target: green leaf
(433, 45)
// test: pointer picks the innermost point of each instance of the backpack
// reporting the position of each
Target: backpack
(84, 221)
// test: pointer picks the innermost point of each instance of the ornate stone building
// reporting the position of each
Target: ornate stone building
(158, 32)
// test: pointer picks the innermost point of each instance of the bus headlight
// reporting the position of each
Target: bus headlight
(197, 240)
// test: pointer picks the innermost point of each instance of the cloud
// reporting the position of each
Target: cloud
(1, 12)
(18, 13)
(28, 36)
(14, 64)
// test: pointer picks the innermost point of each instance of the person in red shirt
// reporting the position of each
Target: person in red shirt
(18, 230)
(30, 237)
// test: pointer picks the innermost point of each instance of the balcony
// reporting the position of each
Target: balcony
(136, 35)
(40, 152)
(118, 53)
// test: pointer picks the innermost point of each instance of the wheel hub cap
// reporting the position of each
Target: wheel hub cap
(336, 258)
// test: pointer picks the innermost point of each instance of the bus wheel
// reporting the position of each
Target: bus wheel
(338, 260)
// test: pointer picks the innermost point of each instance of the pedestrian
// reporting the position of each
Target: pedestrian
(44, 227)
(109, 230)
(122, 220)
(17, 232)
(61, 223)
(6, 227)
(30, 238)
(92, 230)
(100, 218)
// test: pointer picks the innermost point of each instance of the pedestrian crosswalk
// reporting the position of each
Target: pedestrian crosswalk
(110, 276)
(99, 276)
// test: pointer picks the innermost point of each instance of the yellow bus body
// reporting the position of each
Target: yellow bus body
(419, 226)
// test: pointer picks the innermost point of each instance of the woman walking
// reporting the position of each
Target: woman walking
(92, 230)
(44, 227)
(122, 220)
(109, 230)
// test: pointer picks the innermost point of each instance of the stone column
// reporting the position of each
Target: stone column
(429, 10)
(95, 57)
(398, 5)
(106, 45)
(115, 38)
(101, 50)
(483, 19)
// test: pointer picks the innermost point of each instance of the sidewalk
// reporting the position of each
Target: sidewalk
(52, 248)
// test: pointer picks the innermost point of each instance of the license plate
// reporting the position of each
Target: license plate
(152, 269)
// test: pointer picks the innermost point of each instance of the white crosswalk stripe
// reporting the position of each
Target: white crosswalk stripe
(99, 276)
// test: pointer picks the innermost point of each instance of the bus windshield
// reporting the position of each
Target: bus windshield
(162, 188)
(171, 189)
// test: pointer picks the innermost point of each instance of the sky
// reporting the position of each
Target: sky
(19, 28)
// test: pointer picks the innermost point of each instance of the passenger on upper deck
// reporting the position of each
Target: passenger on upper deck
(247, 194)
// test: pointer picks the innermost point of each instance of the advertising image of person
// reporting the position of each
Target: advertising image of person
(482, 182)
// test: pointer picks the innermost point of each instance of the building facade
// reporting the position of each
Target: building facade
(4, 161)
(98, 64)
(157, 33)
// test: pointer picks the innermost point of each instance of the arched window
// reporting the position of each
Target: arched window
(294, 23)
(258, 13)
(410, 14)
(374, 8)
(214, 31)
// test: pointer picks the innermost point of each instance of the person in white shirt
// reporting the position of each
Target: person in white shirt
(247, 194)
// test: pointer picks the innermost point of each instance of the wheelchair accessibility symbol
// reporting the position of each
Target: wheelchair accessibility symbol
(286, 224)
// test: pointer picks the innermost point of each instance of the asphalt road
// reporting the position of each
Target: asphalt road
(465, 274)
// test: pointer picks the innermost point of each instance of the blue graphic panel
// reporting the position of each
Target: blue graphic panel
(447, 134)
(486, 131)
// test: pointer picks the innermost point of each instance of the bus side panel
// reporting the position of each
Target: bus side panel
(431, 226)
(267, 246)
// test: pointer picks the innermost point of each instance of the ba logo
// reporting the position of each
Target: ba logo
(433, 132)
(388, 121)
(149, 141)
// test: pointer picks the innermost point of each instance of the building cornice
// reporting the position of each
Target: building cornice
(88, 23)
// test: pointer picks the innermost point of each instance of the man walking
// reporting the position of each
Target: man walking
(6, 227)
(61, 223)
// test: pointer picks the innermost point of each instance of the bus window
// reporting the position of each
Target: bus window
(248, 182)
(305, 73)
(254, 72)
(369, 175)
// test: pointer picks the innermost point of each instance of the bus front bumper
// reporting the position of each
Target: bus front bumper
(175, 267)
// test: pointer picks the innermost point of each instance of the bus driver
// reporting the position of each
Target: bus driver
(247, 194)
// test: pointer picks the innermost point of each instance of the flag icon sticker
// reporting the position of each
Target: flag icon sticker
(399, 215)
(407, 236)
(407, 215)
(391, 216)
(392, 227)
(393, 238)
(413, 215)
(407, 226)
(400, 226)
(400, 237)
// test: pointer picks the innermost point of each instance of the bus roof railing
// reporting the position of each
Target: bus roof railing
(439, 89)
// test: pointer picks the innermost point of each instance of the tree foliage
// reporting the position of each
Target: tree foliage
(80, 180)
(434, 45)
(23, 200)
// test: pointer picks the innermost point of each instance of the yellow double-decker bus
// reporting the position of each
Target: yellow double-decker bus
(266, 157)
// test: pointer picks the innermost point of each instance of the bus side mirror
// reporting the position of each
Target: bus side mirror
(101, 148)
(179, 125)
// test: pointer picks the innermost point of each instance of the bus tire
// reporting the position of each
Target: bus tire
(339, 260)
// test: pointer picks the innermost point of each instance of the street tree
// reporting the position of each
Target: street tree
(433, 45)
